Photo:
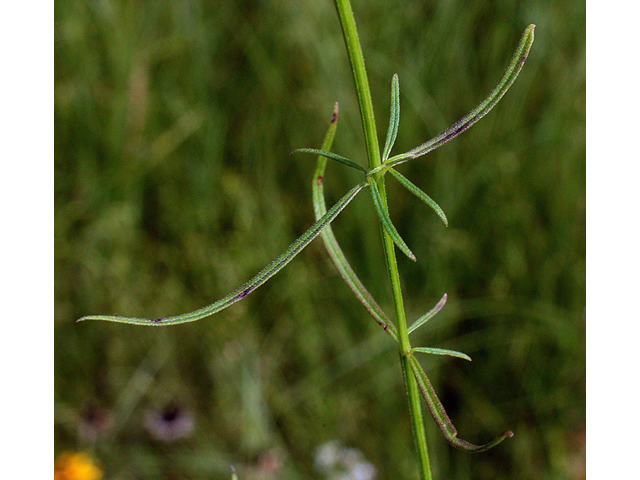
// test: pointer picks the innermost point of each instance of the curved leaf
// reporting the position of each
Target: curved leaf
(332, 156)
(440, 416)
(394, 118)
(331, 243)
(386, 221)
(441, 351)
(421, 195)
(240, 293)
(427, 316)
(508, 77)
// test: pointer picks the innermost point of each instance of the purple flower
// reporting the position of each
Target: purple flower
(93, 421)
(170, 423)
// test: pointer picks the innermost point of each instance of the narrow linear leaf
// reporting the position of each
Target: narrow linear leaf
(394, 118)
(386, 221)
(508, 77)
(319, 206)
(240, 293)
(440, 416)
(332, 156)
(427, 316)
(441, 351)
(331, 243)
(421, 195)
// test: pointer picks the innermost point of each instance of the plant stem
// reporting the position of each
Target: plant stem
(356, 59)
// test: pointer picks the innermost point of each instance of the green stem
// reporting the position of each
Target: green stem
(350, 32)
(356, 59)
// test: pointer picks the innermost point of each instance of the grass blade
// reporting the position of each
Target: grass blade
(386, 221)
(394, 118)
(440, 416)
(332, 156)
(441, 351)
(427, 316)
(240, 293)
(508, 77)
(331, 243)
(421, 195)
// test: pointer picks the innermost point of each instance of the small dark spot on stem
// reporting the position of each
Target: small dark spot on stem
(523, 59)
(384, 325)
(245, 292)
(456, 132)
(156, 320)
(319, 180)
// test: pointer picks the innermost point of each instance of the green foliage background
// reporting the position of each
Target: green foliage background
(174, 185)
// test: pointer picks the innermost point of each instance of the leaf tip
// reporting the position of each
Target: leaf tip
(334, 116)
(407, 252)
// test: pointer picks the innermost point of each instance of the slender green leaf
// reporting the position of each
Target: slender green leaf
(332, 156)
(440, 416)
(441, 351)
(394, 118)
(331, 243)
(317, 189)
(264, 275)
(508, 77)
(386, 221)
(421, 195)
(427, 316)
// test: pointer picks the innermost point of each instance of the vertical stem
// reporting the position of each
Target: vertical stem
(350, 32)
(356, 59)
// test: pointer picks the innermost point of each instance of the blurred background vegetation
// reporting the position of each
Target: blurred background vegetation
(174, 185)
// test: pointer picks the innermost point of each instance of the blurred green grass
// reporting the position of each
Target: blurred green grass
(174, 185)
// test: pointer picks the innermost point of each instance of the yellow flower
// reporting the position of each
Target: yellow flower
(76, 466)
